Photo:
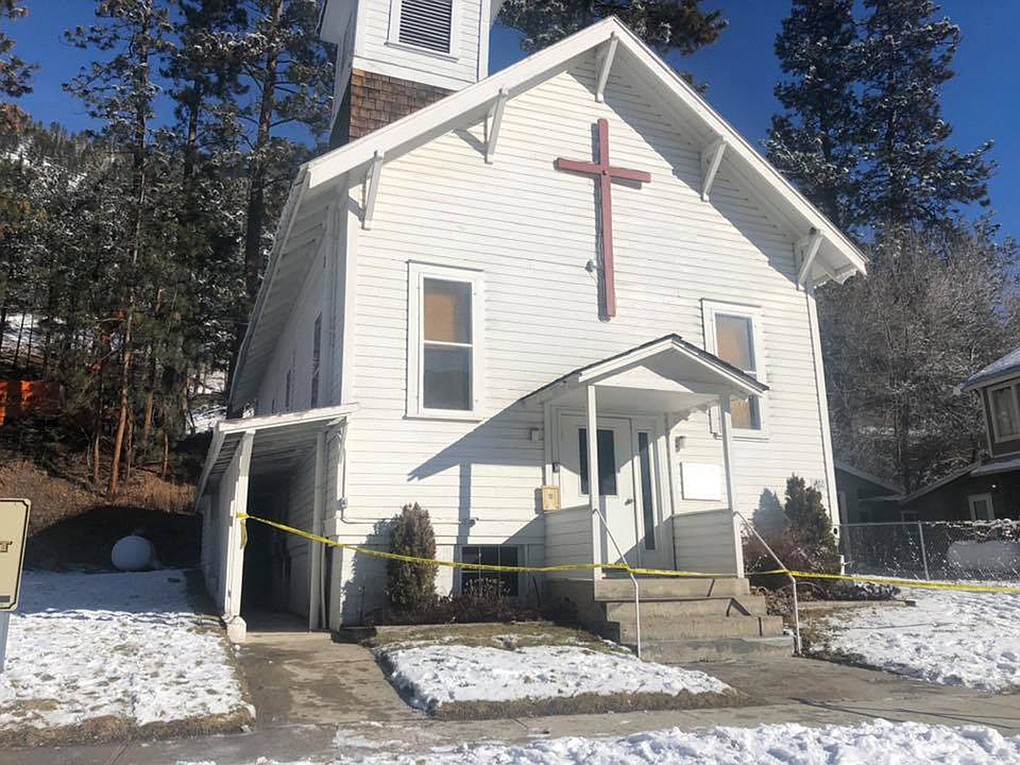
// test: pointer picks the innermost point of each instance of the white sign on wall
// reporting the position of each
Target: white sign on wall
(701, 481)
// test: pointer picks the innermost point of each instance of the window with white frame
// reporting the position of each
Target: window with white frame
(1005, 409)
(426, 24)
(444, 349)
(733, 332)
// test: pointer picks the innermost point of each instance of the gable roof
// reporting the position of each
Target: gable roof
(1000, 369)
(302, 224)
(849, 469)
(736, 379)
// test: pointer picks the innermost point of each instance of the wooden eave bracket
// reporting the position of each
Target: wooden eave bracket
(371, 190)
(606, 56)
(808, 246)
(711, 158)
(495, 123)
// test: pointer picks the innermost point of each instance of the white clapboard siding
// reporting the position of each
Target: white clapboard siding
(293, 349)
(374, 49)
(531, 230)
(568, 539)
(704, 542)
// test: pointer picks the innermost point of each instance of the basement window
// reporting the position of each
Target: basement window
(426, 24)
(485, 582)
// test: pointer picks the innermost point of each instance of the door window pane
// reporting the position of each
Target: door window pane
(447, 378)
(447, 311)
(1004, 412)
(607, 461)
(647, 503)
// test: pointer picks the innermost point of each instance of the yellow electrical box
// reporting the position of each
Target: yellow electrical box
(550, 498)
(13, 534)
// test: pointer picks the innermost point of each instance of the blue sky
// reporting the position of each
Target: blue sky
(740, 70)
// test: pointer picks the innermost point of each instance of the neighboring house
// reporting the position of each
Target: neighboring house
(865, 498)
(453, 314)
(988, 489)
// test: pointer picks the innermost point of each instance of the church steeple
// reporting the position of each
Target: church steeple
(397, 56)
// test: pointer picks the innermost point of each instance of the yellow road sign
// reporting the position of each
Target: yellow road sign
(13, 534)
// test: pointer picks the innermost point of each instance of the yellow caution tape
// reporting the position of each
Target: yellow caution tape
(244, 517)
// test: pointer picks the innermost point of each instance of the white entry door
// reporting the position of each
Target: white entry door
(616, 481)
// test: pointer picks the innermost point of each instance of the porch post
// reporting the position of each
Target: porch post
(315, 550)
(234, 575)
(593, 479)
(726, 429)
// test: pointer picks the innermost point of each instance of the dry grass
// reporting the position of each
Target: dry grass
(111, 728)
(492, 635)
(55, 498)
(587, 704)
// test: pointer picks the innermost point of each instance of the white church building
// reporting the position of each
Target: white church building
(564, 307)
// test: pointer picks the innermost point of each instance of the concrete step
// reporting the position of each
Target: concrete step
(694, 650)
(721, 627)
(745, 605)
(668, 588)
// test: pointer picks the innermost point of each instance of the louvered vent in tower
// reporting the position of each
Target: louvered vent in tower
(427, 23)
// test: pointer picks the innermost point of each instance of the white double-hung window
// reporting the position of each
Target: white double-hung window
(445, 342)
(733, 332)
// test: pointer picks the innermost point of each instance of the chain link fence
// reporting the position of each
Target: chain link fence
(947, 550)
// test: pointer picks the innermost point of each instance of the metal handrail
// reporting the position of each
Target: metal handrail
(633, 579)
(793, 580)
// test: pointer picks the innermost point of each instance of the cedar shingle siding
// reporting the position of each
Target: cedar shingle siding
(375, 100)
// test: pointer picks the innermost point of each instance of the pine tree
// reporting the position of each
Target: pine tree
(120, 90)
(910, 176)
(862, 135)
(287, 71)
(815, 141)
(666, 25)
(15, 74)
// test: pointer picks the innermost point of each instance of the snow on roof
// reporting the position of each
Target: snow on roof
(1007, 366)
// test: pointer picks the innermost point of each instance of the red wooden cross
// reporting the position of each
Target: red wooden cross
(605, 174)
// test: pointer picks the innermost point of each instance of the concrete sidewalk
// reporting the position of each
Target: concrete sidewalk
(317, 699)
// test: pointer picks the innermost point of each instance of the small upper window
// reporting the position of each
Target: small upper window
(426, 24)
(1005, 422)
(443, 362)
(316, 361)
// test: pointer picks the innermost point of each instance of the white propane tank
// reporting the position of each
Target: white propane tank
(133, 553)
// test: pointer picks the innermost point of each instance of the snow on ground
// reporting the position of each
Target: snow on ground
(204, 418)
(443, 674)
(950, 637)
(83, 646)
(876, 743)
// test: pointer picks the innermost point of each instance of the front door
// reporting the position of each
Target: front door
(616, 482)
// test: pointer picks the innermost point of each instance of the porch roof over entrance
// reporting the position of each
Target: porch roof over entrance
(278, 439)
(668, 374)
